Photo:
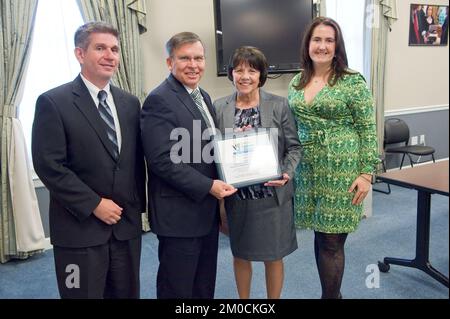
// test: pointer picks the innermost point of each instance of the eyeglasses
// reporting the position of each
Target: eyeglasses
(187, 59)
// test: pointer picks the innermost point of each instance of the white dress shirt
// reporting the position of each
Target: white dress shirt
(93, 90)
(205, 108)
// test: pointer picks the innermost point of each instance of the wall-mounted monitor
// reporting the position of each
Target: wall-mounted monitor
(274, 26)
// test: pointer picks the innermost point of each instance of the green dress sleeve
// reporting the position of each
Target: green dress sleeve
(363, 113)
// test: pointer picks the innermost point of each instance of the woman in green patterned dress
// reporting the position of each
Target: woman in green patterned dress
(336, 126)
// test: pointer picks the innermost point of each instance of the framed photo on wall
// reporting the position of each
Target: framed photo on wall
(428, 25)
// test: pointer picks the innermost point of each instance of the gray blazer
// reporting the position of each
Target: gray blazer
(275, 113)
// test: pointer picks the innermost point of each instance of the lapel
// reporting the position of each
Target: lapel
(121, 108)
(265, 110)
(228, 112)
(83, 101)
(183, 95)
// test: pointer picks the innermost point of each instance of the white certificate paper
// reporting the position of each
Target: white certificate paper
(247, 158)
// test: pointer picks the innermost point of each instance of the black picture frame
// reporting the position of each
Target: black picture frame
(428, 25)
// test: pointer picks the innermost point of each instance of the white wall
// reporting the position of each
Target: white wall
(415, 76)
(168, 17)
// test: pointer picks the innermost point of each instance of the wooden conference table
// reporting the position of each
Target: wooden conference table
(426, 179)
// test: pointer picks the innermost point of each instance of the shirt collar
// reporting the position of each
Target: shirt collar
(93, 89)
(189, 89)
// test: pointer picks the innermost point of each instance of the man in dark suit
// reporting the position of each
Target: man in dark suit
(418, 25)
(183, 188)
(87, 151)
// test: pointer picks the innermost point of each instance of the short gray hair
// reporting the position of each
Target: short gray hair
(82, 34)
(179, 39)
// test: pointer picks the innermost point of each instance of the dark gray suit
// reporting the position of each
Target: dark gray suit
(73, 157)
(182, 212)
(263, 229)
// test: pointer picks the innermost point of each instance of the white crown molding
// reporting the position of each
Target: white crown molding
(417, 109)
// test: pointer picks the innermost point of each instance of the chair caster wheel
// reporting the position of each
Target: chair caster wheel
(383, 267)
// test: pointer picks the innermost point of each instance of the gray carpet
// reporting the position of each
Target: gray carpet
(389, 232)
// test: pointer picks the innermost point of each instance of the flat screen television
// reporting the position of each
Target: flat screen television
(274, 26)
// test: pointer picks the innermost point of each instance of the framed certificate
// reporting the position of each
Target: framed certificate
(247, 158)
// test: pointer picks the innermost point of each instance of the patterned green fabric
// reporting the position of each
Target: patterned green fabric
(338, 135)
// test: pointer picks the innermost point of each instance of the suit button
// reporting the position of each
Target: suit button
(117, 168)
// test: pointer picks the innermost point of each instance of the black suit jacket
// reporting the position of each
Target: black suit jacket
(179, 201)
(73, 157)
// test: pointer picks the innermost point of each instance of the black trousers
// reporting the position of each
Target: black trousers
(110, 270)
(187, 266)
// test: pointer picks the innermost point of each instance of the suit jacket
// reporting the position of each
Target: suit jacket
(179, 201)
(422, 26)
(73, 157)
(444, 34)
(275, 113)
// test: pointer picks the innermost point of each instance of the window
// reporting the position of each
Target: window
(350, 15)
(52, 61)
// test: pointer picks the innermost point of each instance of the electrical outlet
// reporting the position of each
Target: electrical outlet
(414, 140)
(422, 139)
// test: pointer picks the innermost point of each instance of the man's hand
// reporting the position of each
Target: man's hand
(108, 211)
(220, 189)
(279, 182)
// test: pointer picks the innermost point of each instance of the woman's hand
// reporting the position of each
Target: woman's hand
(362, 185)
(279, 182)
(244, 128)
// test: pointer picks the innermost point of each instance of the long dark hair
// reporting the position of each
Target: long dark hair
(340, 62)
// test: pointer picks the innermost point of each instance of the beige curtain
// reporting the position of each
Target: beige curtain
(21, 231)
(129, 17)
(387, 15)
(322, 8)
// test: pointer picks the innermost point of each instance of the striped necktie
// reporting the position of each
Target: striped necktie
(107, 117)
(197, 97)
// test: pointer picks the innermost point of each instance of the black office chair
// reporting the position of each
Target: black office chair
(397, 131)
(377, 181)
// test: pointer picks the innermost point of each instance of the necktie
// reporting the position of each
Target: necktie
(197, 97)
(106, 115)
